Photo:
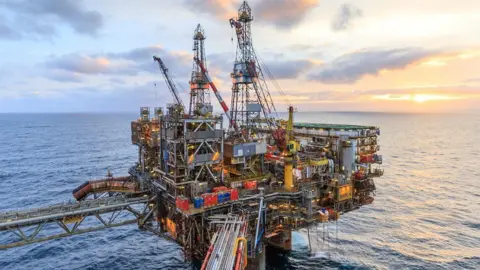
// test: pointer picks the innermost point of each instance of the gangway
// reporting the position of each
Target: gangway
(30, 226)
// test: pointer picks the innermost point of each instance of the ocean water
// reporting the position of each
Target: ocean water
(426, 214)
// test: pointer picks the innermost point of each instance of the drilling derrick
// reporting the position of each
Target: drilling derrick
(199, 85)
(251, 105)
(251, 100)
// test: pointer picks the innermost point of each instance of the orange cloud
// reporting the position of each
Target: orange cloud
(441, 59)
(221, 9)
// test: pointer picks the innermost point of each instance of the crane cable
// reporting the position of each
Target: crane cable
(275, 83)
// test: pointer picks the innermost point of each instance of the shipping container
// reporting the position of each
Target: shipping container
(207, 200)
(234, 194)
(220, 188)
(250, 185)
(214, 199)
(182, 203)
(226, 196)
(198, 202)
(221, 196)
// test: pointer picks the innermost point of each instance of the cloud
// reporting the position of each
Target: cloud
(449, 90)
(6, 32)
(63, 76)
(48, 14)
(345, 16)
(417, 94)
(117, 81)
(349, 68)
(70, 67)
(221, 64)
(472, 80)
(283, 14)
(178, 62)
(289, 69)
(221, 9)
(300, 47)
(78, 63)
(91, 98)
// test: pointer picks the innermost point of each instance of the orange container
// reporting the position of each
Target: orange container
(250, 185)
(234, 194)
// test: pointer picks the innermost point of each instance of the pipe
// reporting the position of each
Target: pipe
(239, 251)
(258, 221)
(210, 249)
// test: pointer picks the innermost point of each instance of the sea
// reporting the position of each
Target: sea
(426, 213)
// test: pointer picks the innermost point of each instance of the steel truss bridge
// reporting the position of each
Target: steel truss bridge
(62, 220)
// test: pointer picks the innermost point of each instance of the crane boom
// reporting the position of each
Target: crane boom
(168, 79)
(217, 93)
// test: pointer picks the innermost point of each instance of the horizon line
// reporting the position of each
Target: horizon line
(118, 112)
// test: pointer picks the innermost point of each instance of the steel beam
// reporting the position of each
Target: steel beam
(17, 222)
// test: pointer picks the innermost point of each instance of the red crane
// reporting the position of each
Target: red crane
(217, 94)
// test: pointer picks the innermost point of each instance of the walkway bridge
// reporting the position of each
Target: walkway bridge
(57, 221)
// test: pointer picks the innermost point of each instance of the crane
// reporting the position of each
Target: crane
(290, 151)
(169, 80)
(217, 93)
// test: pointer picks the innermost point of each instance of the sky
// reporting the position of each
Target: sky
(325, 55)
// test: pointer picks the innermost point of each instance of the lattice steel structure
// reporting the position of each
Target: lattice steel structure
(199, 85)
(31, 226)
(251, 100)
(145, 134)
(191, 148)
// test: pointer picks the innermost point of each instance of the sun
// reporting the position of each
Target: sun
(421, 98)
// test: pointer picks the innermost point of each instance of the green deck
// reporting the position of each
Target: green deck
(331, 126)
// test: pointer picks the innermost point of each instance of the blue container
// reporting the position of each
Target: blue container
(227, 196)
(221, 197)
(198, 202)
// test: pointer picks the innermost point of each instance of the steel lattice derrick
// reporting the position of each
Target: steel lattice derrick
(199, 84)
(36, 225)
(249, 89)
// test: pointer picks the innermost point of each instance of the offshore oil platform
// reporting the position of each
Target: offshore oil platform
(222, 193)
